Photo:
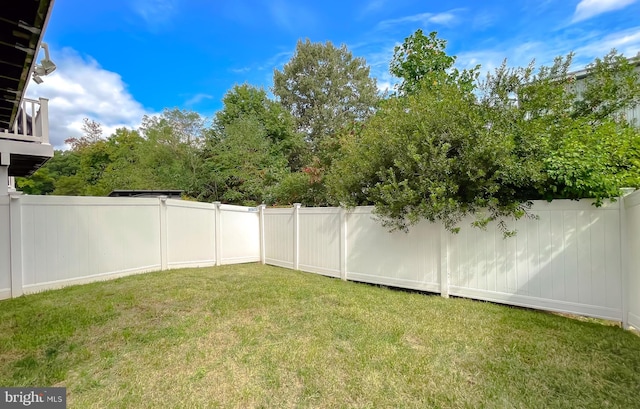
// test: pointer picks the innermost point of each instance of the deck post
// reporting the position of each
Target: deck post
(44, 120)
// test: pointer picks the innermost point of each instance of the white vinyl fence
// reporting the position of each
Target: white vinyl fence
(630, 223)
(574, 258)
(48, 242)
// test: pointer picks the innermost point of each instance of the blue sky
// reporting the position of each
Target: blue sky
(121, 59)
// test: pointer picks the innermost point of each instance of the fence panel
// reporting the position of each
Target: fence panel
(239, 234)
(568, 260)
(191, 232)
(5, 249)
(320, 240)
(279, 237)
(575, 258)
(410, 260)
(632, 224)
(69, 240)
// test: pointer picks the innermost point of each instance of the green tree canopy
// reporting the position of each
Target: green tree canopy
(325, 88)
(421, 61)
(446, 150)
(246, 101)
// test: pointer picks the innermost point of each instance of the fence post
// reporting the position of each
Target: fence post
(217, 233)
(444, 262)
(343, 244)
(624, 263)
(15, 226)
(164, 263)
(296, 236)
(263, 254)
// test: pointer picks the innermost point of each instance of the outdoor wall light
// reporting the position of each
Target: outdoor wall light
(45, 67)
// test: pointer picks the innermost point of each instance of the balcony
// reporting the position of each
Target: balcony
(25, 147)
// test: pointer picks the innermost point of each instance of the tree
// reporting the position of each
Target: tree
(325, 88)
(45, 180)
(445, 150)
(570, 136)
(127, 152)
(173, 149)
(242, 167)
(421, 61)
(612, 75)
(246, 101)
(92, 133)
(427, 156)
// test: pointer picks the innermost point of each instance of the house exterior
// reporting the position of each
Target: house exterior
(24, 123)
(631, 114)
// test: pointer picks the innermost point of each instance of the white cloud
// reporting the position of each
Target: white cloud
(79, 89)
(446, 19)
(240, 70)
(626, 42)
(292, 17)
(155, 13)
(587, 9)
(196, 99)
(591, 45)
(372, 6)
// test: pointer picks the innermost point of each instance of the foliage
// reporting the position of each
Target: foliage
(306, 187)
(165, 156)
(444, 147)
(241, 166)
(428, 156)
(172, 150)
(50, 177)
(422, 62)
(325, 88)
(246, 101)
(443, 150)
(92, 133)
(40, 183)
(612, 75)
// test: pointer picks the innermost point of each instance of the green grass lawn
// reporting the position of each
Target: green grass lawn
(259, 336)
